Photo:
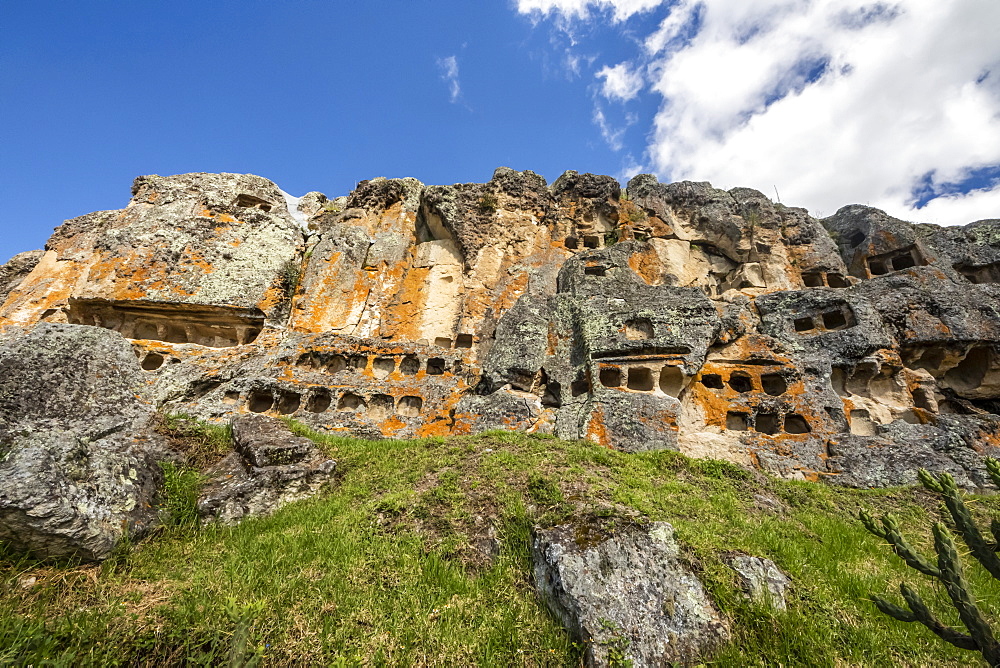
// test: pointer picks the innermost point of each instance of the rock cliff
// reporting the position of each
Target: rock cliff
(853, 349)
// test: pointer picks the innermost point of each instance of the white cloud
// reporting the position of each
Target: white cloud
(612, 135)
(581, 9)
(630, 167)
(449, 73)
(831, 101)
(613, 132)
(957, 209)
(621, 82)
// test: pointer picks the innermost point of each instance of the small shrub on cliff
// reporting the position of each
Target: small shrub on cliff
(291, 274)
(488, 203)
(638, 215)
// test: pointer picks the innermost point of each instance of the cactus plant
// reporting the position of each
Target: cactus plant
(949, 570)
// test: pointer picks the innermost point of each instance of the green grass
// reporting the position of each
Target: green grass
(419, 555)
(181, 487)
(201, 443)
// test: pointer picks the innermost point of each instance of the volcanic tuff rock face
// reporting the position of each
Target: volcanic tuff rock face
(856, 348)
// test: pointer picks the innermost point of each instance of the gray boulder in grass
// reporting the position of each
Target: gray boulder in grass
(269, 467)
(762, 580)
(627, 596)
(78, 447)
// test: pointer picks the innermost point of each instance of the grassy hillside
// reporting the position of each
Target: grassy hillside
(419, 555)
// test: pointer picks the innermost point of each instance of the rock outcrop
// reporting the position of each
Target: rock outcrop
(627, 596)
(78, 446)
(268, 468)
(762, 580)
(853, 349)
(12, 273)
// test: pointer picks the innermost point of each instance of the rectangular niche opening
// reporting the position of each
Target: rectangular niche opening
(351, 403)
(319, 401)
(813, 280)
(410, 365)
(766, 423)
(288, 402)
(594, 271)
(409, 406)
(640, 378)
(671, 380)
(611, 376)
(442, 342)
(435, 366)
(463, 341)
(591, 241)
(804, 324)
(985, 273)
(833, 320)
(712, 381)
(837, 281)
(382, 367)
(639, 329)
(903, 262)
(336, 364)
(773, 384)
(579, 387)
(741, 382)
(895, 261)
(796, 424)
(877, 268)
(737, 421)
(251, 202)
(260, 401)
(380, 406)
(309, 361)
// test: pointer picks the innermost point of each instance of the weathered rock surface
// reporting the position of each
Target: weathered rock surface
(627, 596)
(853, 349)
(762, 580)
(12, 273)
(268, 468)
(78, 450)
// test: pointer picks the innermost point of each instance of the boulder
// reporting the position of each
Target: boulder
(627, 596)
(269, 467)
(78, 449)
(762, 580)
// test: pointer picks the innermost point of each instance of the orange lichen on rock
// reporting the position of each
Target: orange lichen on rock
(681, 316)
(596, 429)
(647, 265)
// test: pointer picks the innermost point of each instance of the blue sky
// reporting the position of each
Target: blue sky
(319, 95)
(312, 95)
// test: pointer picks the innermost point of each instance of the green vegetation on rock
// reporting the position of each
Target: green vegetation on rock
(419, 554)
